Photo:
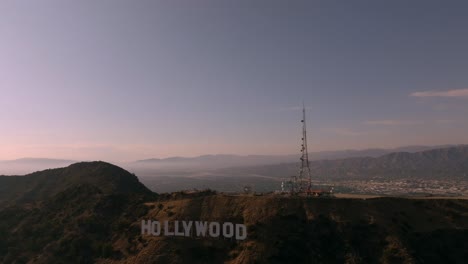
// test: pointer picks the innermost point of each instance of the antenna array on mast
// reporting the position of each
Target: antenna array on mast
(304, 181)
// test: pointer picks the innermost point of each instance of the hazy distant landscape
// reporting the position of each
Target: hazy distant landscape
(150, 167)
(423, 170)
(442, 171)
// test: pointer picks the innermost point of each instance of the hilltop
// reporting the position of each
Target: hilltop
(45, 184)
(67, 215)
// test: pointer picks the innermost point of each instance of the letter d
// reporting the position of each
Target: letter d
(239, 228)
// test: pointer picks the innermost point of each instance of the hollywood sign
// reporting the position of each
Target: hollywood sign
(194, 228)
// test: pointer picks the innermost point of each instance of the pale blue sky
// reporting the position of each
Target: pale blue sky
(125, 80)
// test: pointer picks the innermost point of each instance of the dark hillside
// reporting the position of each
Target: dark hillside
(68, 215)
(299, 230)
(92, 213)
(45, 184)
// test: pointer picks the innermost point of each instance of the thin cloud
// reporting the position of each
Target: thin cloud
(457, 93)
(393, 122)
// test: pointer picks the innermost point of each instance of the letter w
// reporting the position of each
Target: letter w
(201, 228)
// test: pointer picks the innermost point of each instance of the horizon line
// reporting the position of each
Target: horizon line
(227, 154)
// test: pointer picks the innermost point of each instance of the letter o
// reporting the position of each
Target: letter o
(225, 230)
(155, 231)
(214, 229)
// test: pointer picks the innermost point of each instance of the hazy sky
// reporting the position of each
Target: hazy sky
(124, 80)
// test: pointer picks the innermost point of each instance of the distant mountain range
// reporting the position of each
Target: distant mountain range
(149, 167)
(152, 167)
(449, 163)
(441, 163)
(234, 159)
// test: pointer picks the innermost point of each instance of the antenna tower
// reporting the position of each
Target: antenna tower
(305, 179)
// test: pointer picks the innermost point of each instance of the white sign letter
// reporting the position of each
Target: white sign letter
(166, 229)
(200, 228)
(187, 227)
(145, 227)
(228, 226)
(214, 229)
(240, 227)
(176, 229)
(156, 231)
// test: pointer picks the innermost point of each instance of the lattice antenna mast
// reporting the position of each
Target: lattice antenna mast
(305, 178)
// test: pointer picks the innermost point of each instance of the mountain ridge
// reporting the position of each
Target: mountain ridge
(315, 155)
(451, 162)
(149, 167)
(146, 167)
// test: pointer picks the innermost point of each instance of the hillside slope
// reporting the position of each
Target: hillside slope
(299, 230)
(67, 215)
(89, 219)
